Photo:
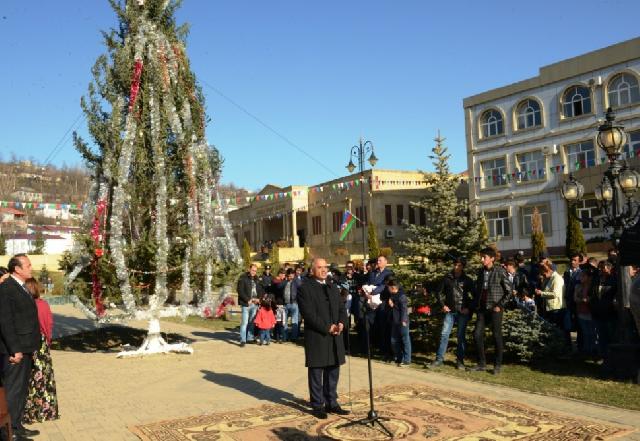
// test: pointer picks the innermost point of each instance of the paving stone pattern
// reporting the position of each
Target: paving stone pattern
(101, 396)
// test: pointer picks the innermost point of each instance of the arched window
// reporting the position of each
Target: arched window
(576, 101)
(528, 114)
(491, 123)
(623, 90)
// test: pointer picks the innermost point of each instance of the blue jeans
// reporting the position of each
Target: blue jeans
(292, 311)
(246, 323)
(589, 336)
(265, 336)
(449, 319)
(401, 343)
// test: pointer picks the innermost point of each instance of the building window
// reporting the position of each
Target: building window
(576, 101)
(337, 221)
(399, 214)
(360, 216)
(316, 224)
(412, 215)
(527, 216)
(531, 166)
(494, 172)
(498, 223)
(423, 216)
(623, 90)
(581, 155)
(387, 215)
(528, 114)
(587, 209)
(491, 123)
(632, 148)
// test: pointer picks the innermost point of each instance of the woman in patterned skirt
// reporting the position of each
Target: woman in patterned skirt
(42, 402)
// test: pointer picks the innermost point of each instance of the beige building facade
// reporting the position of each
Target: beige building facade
(274, 214)
(311, 216)
(524, 139)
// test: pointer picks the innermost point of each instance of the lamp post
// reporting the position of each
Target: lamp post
(619, 183)
(359, 151)
(619, 211)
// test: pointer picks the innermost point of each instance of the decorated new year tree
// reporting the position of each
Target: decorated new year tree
(451, 229)
(158, 242)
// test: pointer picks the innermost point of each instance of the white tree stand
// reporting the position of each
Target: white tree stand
(155, 344)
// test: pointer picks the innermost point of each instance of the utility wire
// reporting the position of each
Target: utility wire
(271, 129)
(58, 147)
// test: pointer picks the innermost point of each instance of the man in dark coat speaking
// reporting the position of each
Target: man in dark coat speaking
(324, 318)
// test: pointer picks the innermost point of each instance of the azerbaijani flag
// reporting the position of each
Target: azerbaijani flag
(348, 220)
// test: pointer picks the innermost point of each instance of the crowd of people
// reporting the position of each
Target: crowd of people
(581, 300)
(26, 327)
(375, 303)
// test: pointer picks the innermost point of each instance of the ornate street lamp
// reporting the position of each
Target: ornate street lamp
(619, 211)
(359, 151)
(611, 137)
(615, 193)
(572, 190)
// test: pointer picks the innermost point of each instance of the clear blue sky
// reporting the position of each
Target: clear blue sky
(320, 74)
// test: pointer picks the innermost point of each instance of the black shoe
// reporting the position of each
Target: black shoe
(496, 369)
(460, 365)
(478, 368)
(242, 344)
(26, 432)
(18, 437)
(435, 364)
(319, 413)
(337, 410)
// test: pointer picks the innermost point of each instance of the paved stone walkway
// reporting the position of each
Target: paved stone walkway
(100, 396)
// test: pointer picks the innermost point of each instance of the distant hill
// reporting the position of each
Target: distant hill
(28, 181)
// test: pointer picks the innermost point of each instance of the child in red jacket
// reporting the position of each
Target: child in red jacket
(265, 320)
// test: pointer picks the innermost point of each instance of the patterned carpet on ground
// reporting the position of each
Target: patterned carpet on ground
(414, 412)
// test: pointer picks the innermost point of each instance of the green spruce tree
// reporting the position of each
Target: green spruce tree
(274, 258)
(44, 275)
(3, 245)
(306, 256)
(538, 245)
(38, 243)
(372, 241)
(246, 252)
(574, 242)
(451, 230)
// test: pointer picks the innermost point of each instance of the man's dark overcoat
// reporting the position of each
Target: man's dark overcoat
(321, 306)
(19, 326)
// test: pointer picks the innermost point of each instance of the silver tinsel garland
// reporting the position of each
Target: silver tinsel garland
(211, 234)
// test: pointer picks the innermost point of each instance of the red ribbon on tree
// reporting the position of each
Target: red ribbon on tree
(221, 307)
(97, 236)
(135, 84)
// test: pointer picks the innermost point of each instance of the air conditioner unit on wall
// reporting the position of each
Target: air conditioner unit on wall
(389, 233)
(550, 149)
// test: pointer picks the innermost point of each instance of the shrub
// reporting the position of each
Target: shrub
(246, 252)
(528, 337)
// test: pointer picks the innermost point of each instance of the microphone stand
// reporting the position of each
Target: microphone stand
(372, 417)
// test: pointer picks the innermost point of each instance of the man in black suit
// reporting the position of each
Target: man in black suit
(324, 317)
(19, 339)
